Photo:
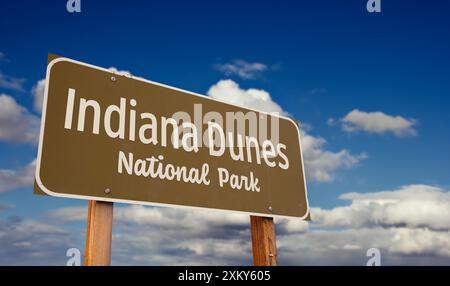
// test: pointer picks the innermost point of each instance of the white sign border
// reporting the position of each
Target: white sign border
(41, 139)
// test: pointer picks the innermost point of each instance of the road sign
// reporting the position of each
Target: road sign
(114, 137)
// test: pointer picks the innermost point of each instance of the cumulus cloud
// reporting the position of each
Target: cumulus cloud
(16, 123)
(242, 69)
(120, 72)
(38, 93)
(411, 206)
(12, 83)
(409, 225)
(379, 123)
(18, 178)
(392, 221)
(320, 164)
(229, 91)
(398, 246)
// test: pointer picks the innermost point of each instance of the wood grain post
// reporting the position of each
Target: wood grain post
(99, 234)
(263, 241)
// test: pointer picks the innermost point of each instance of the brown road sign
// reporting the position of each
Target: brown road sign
(114, 137)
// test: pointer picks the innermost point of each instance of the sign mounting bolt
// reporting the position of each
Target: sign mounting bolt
(107, 190)
(113, 78)
(270, 208)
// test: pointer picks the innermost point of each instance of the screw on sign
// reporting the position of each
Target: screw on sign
(108, 138)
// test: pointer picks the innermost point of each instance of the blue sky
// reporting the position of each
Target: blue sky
(323, 59)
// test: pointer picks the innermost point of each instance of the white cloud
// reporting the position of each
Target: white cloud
(409, 225)
(398, 246)
(229, 91)
(19, 178)
(411, 206)
(320, 164)
(120, 72)
(241, 68)
(11, 83)
(291, 226)
(38, 93)
(405, 233)
(378, 122)
(124, 73)
(16, 123)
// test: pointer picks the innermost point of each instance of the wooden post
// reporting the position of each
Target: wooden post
(99, 234)
(263, 241)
